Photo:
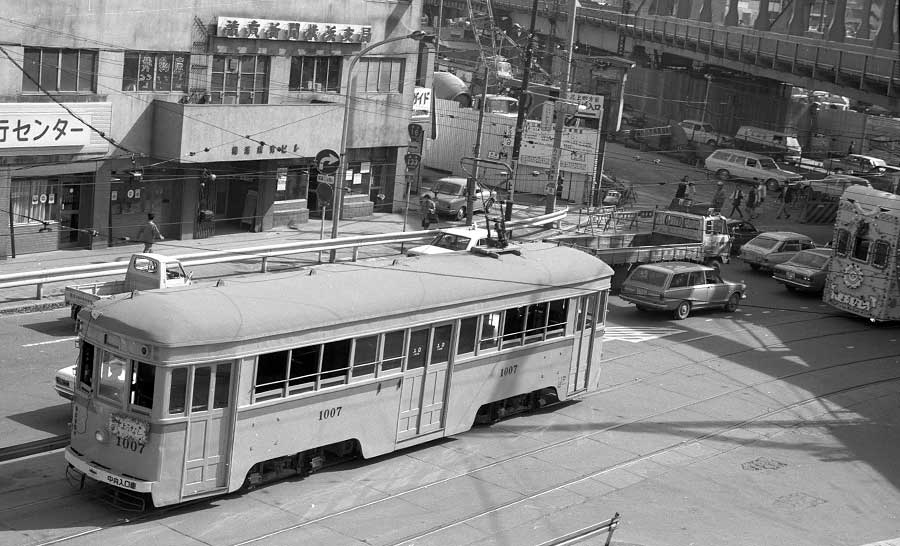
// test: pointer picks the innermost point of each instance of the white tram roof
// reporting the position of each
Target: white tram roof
(865, 195)
(336, 295)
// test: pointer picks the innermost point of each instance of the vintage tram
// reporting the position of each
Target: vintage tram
(864, 271)
(196, 392)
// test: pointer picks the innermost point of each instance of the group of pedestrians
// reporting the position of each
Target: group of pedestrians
(750, 200)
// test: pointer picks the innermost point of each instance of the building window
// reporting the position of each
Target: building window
(319, 74)
(239, 79)
(34, 200)
(59, 70)
(161, 72)
(380, 76)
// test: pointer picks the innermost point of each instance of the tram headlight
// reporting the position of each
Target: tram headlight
(100, 436)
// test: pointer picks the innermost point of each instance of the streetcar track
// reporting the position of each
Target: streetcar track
(162, 512)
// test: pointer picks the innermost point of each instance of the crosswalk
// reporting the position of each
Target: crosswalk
(638, 334)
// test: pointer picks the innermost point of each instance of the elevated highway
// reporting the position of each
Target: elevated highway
(864, 69)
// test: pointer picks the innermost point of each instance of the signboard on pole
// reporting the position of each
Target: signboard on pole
(327, 161)
(592, 103)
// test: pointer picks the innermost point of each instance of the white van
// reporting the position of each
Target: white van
(781, 146)
(729, 163)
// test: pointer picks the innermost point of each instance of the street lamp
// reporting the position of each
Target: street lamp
(338, 197)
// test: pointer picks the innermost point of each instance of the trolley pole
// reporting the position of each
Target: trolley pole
(523, 105)
(560, 111)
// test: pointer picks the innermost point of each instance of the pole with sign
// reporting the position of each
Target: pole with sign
(413, 159)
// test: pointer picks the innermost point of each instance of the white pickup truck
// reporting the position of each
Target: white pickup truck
(145, 272)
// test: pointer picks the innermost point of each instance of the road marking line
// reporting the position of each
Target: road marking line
(638, 334)
(51, 342)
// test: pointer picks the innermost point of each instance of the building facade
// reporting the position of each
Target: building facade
(210, 118)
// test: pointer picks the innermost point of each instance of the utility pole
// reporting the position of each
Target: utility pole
(561, 108)
(470, 182)
(523, 103)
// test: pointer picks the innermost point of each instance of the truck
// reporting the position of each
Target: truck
(146, 271)
(672, 236)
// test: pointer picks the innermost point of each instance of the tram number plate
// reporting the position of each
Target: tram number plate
(121, 482)
(509, 370)
(329, 413)
(130, 444)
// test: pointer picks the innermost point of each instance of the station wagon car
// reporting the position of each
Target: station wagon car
(771, 248)
(680, 287)
(806, 271)
(450, 196)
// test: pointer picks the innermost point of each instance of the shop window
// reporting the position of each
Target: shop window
(318, 74)
(59, 70)
(34, 200)
(881, 253)
(159, 72)
(239, 79)
(295, 186)
(380, 76)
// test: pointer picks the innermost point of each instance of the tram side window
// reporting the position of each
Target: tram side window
(200, 396)
(440, 344)
(304, 368)
(586, 308)
(861, 249)
(86, 368)
(490, 330)
(392, 359)
(842, 242)
(514, 326)
(558, 316)
(365, 355)
(143, 376)
(177, 390)
(223, 384)
(417, 348)
(271, 372)
(881, 253)
(112, 376)
(335, 363)
(467, 329)
(536, 322)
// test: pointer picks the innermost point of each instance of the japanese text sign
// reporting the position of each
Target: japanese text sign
(24, 130)
(266, 29)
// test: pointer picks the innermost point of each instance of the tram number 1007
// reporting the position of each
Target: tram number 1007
(130, 444)
(509, 370)
(329, 413)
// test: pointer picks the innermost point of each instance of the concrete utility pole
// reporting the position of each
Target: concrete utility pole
(523, 102)
(561, 108)
(470, 181)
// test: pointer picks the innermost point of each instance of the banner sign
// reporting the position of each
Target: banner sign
(301, 31)
(578, 150)
(26, 130)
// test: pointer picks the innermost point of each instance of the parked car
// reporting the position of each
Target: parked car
(700, 131)
(771, 248)
(853, 164)
(741, 231)
(728, 163)
(680, 287)
(64, 382)
(453, 239)
(612, 197)
(450, 196)
(886, 178)
(780, 145)
(805, 271)
(832, 185)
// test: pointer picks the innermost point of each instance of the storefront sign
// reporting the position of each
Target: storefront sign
(25, 130)
(301, 31)
(422, 100)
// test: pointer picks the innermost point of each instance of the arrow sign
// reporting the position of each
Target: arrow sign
(327, 161)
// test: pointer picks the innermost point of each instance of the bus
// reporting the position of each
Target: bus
(863, 276)
(192, 393)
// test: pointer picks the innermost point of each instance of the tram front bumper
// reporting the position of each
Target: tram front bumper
(108, 478)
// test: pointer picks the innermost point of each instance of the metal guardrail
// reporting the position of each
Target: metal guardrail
(262, 253)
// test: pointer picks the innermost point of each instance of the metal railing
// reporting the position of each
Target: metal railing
(262, 253)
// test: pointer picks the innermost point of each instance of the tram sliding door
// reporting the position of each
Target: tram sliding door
(208, 436)
(425, 381)
(585, 327)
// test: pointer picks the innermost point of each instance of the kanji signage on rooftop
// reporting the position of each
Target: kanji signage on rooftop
(26, 130)
(301, 31)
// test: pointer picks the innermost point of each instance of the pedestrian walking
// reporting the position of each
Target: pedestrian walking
(787, 197)
(681, 192)
(718, 199)
(737, 197)
(691, 192)
(752, 201)
(429, 209)
(149, 232)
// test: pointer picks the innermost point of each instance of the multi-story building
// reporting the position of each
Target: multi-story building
(208, 117)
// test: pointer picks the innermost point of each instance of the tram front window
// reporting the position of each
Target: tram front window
(112, 376)
(142, 379)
